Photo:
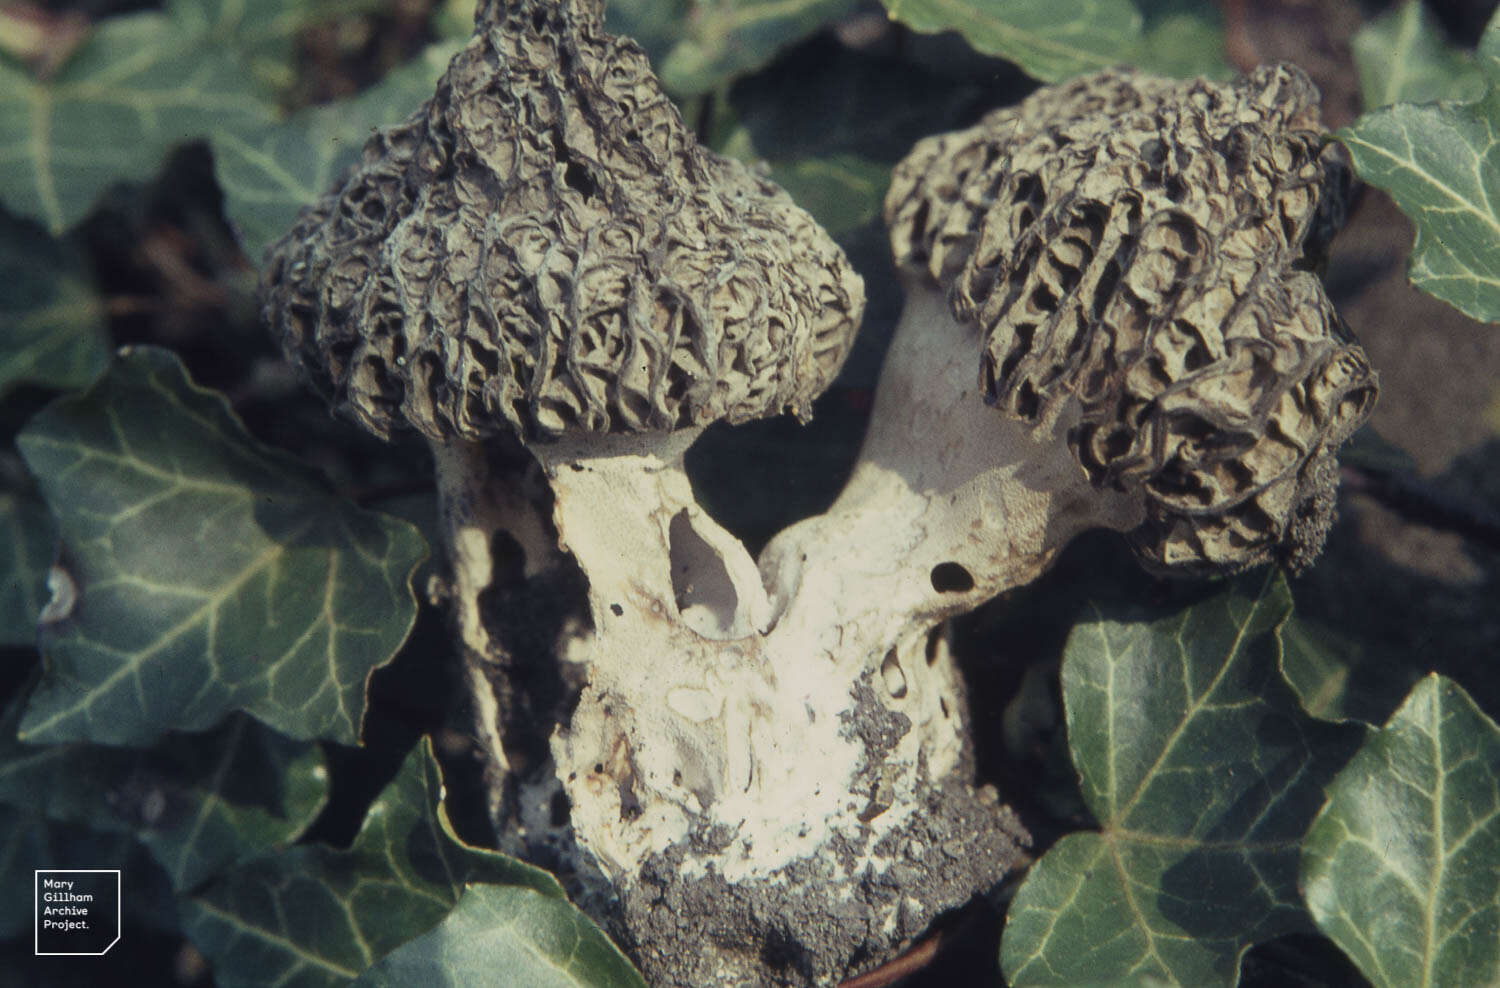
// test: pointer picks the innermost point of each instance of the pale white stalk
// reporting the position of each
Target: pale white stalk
(950, 502)
(743, 725)
(474, 505)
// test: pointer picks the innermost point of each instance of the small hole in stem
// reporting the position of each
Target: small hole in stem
(951, 578)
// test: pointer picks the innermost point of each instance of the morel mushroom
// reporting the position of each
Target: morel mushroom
(1111, 322)
(543, 250)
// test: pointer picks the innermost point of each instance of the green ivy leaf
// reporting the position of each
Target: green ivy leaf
(262, 33)
(842, 191)
(28, 540)
(1402, 56)
(201, 803)
(1402, 867)
(453, 20)
(537, 940)
(1181, 39)
(1049, 39)
(1338, 677)
(698, 45)
(54, 322)
(139, 85)
(270, 173)
(1441, 163)
(1203, 775)
(210, 573)
(1053, 40)
(314, 916)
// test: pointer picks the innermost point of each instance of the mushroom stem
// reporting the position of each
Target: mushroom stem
(950, 502)
(494, 537)
(736, 773)
(625, 510)
(468, 516)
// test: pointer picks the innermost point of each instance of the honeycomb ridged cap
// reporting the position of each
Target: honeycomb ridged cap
(544, 247)
(1142, 247)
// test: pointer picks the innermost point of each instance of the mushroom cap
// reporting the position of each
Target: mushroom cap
(545, 247)
(1143, 246)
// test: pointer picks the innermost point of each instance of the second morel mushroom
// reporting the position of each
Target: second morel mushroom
(1111, 322)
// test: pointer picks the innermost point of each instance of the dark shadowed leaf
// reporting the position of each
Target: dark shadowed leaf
(1053, 40)
(29, 840)
(1203, 774)
(830, 122)
(28, 540)
(1402, 56)
(314, 916)
(268, 174)
(1402, 867)
(53, 320)
(1334, 676)
(1440, 162)
(537, 940)
(696, 47)
(1376, 625)
(210, 573)
(200, 803)
(842, 191)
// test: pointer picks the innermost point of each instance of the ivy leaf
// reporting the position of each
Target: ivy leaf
(1203, 775)
(842, 191)
(1052, 40)
(200, 803)
(698, 45)
(1402, 867)
(54, 321)
(139, 85)
(262, 33)
(1440, 162)
(209, 573)
(28, 540)
(314, 916)
(270, 173)
(537, 940)
(1339, 678)
(1181, 39)
(1402, 56)
(1049, 39)
(453, 20)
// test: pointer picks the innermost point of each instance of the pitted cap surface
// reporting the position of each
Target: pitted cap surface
(544, 247)
(1143, 247)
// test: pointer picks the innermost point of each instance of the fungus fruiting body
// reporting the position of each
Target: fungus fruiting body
(544, 252)
(1108, 323)
(1137, 252)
